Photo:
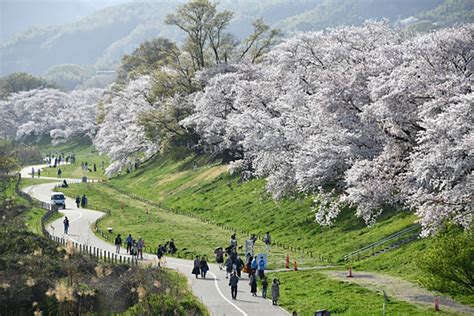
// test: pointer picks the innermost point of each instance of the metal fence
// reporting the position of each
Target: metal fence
(96, 252)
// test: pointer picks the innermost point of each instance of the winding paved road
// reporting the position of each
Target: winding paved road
(213, 291)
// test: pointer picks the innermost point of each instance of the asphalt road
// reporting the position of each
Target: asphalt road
(213, 291)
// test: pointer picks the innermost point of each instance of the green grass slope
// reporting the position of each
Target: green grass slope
(209, 191)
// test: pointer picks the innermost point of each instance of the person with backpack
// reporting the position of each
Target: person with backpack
(228, 266)
(234, 280)
(118, 243)
(204, 267)
(78, 201)
(129, 242)
(239, 265)
(66, 225)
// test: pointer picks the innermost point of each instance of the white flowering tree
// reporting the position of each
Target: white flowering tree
(120, 135)
(50, 112)
(348, 112)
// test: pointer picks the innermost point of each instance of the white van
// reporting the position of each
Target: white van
(58, 199)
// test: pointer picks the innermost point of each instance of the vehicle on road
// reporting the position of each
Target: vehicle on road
(58, 199)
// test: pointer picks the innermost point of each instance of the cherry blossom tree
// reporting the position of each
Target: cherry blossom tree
(120, 135)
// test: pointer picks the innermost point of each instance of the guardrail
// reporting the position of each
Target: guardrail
(411, 230)
(100, 254)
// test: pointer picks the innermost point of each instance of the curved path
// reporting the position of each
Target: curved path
(213, 291)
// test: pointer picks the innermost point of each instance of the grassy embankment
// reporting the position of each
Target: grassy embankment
(84, 152)
(208, 191)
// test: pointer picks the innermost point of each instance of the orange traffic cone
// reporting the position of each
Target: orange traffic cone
(295, 266)
(436, 304)
(349, 273)
(287, 262)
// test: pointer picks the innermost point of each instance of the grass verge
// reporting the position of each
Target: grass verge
(309, 291)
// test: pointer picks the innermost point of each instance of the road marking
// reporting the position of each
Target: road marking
(217, 287)
(220, 292)
(216, 284)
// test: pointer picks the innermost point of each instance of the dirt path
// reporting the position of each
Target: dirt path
(401, 290)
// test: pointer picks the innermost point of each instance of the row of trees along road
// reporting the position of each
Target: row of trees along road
(363, 116)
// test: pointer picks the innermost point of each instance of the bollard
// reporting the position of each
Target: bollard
(436, 304)
(349, 273)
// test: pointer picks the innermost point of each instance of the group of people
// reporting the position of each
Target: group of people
(200, 267)
(254, 266)
(134, 247)
(81, 201)
(53, 160)
(33, 172)
(162, 249)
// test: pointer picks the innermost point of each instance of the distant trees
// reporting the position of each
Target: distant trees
(49, 112)
(20, 81)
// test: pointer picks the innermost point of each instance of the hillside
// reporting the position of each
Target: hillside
(332, 13)
(98, 40)
(201, 205)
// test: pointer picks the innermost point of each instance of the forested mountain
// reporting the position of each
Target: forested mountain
(98, 41)
(19, 15)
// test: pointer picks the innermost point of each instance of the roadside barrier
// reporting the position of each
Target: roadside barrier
(100, 254)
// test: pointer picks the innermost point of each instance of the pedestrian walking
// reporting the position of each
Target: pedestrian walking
(234, 279)
(233, 241)
(253, 284)
(264, 287)
(39, 172)
(267, 240)
(83, 201)
(254, 265)
(78, 201)
(66, 225)
(204, 267)
(275, 291)
(32, 172)
(261, 268)
(160, 252)
(59, 173)
(239, 265)
(196, 268)
(228, 266)
(140, 246)
(134, 249)
(219, 252)
(129, 242)
(249, 265)
(118, 243)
